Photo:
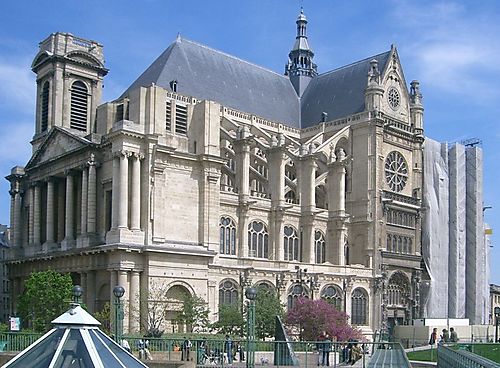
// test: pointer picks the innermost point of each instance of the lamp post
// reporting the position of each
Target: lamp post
(251, 294)
(118, 292)
(77, 293)
(496, 310)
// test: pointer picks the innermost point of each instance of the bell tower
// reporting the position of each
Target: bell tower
(69, 74)
(300, 67)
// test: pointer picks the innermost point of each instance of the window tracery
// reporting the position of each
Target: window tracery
(227, 236)
(258, 239)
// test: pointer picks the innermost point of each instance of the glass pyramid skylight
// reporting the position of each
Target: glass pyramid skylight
(77, 342)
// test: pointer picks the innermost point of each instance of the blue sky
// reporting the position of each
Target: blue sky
(450, 46)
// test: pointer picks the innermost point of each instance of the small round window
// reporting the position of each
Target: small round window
(394, 98)
(396, 171)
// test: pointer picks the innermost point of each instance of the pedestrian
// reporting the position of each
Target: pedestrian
(126, 345)
(327, 346)
(453, 335)
(320, 347)
(433, 338)
(228, 347)
(445, 337)
(186, 349)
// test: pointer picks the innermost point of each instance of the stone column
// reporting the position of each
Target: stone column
(337, 219)
(135, 197)
(90, 292)
(115, 191)
(17, 218)
(31, 218)
(122, 281)
(37, 229)
(84, 201)
(242, 232)
(69, 229)
(123, 191)
(61, 203)
(91, 197)
(83, 284)
(308, 206)
(113, 281)
(134, 302)
(50, 214)
(242, 175)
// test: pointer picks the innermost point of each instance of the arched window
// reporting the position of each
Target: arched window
(359, 301)
(296, 291)
(228, 293)
(258, 239)
(44, 116)
(398, 289)
(227, 236)
(319, 246)
(79, 106)
(333, 295)
(291, 242)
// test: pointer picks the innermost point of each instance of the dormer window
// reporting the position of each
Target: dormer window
(173, 85)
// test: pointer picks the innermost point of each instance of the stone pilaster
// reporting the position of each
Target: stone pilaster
(242, 157)
(90, 291)
(116, 191)
(31, 217)
(91, 196)
(123, 191)
(84, 201)
(123, 282)
(307, 174)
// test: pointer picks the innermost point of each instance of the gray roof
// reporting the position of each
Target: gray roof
(205, 73)
(340, 92)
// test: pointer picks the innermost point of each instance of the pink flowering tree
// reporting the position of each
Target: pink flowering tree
(315, 316)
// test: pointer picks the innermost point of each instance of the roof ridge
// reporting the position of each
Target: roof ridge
(354, 63)
(181, 39)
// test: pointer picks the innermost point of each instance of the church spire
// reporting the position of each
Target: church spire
(300, 67)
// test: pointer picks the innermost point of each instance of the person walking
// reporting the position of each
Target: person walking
(327, 347)
(320, 347)
(186, 349)
(228, 347)
(433, 338)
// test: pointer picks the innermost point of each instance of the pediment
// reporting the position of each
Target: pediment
(58, 143)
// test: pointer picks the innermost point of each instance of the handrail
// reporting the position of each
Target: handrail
(451, 358)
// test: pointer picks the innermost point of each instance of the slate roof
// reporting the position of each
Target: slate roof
(340, 92)
(205, 73)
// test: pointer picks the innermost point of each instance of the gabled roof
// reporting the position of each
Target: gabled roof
(340, 92)
(205, 73)
(58, 142)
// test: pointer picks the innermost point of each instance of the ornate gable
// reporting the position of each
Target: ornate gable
(59, 142)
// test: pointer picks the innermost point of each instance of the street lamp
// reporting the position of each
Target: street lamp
(77, 293)
(251, 294)
(118, 292)
(496, 310)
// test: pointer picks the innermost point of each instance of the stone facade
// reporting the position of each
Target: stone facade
(159, 189)
(4, 275)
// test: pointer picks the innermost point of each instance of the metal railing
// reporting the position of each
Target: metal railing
(462, 356)
(213, 352)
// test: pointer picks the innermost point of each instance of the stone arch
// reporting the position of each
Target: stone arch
(176, 294)
(398, 289)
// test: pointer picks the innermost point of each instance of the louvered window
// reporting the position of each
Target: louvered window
(168, 116)
(181, 119)
(44, 121)
(79, 106)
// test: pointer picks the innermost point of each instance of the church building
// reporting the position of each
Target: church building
(210, 174)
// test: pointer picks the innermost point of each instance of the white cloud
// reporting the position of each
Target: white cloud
(17, 86)
(452, 48)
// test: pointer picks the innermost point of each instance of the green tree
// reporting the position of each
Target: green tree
(45, 297)
(104, 316)
(194, 314)
(267, 307)
(230, 321)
